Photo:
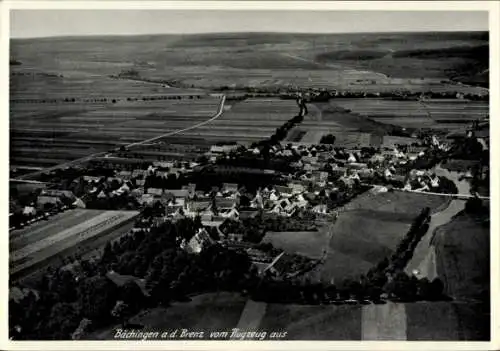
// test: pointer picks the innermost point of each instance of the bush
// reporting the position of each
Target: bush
(328, 139)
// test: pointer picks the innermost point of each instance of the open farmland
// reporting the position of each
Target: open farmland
(417, 114)
(245, 122)
(33, 246)
(355, 62)
(369, 229)
(64, 131)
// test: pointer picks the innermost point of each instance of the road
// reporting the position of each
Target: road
(30, 176)
(424, 258)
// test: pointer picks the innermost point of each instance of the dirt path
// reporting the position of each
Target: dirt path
(384, 322)
(252, 315)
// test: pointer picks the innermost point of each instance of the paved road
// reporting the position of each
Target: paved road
(102, 154)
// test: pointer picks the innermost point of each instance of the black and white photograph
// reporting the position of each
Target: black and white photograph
(189, 174)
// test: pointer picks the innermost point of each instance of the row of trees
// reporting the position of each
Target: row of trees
(385, 280)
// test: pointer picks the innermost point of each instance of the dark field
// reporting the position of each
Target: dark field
(463, 257)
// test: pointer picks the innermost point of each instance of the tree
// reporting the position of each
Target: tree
(63, 319)
(108, 256)
(436, 289)
(121, 312)
(132, 295)
(97, 296)
(328, 139)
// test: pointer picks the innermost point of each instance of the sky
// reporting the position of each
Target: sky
(47, 23)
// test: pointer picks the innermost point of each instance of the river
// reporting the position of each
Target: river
(424, 256)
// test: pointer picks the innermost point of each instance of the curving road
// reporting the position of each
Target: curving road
(424, 259)
(29, 176)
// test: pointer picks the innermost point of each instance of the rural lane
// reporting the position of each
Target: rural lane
(29, 176)
(220, 110)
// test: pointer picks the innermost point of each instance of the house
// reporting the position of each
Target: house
(221, 149)
(229, 187)
(310, 159)
(225, 202)
(257, 202)
(155, 191)
(284, 190)
(126, 175)
(42, 200)
(177, 193)
(92, 179)
(229, 213)
(146, 199)
(297, 188)
(273, 196)
(358, 165)
(163, 164)
(191, 190)
(320, 176)
(321, 209)
(248, 213)
(29, 211)
(79, 203)
(198, 242)
(235, 237)
(139, 173)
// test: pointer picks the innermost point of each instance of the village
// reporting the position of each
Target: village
(303, 192)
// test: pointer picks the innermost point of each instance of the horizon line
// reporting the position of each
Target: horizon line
(244, 32)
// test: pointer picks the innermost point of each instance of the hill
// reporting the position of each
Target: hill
(460, 56)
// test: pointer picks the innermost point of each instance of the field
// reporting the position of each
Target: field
(59, 132)
(33, 246)
(417, 114)
(463, 258)
(224, 311)
(309, 244)
(62, 92)
(207, 312)
(369, 229)
(356, 62)
(245, 122)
